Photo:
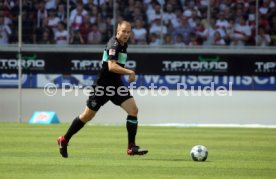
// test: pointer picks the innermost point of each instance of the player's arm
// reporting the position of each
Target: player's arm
(115, 68)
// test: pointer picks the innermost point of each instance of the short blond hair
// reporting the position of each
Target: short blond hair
(121, 23)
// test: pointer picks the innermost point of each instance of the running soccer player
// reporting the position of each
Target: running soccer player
(109, 78)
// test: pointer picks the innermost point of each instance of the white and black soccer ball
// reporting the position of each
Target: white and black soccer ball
(199, 153)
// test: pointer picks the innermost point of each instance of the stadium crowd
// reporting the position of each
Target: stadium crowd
(180, 23)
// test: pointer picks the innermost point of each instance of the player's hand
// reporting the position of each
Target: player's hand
(132, 77)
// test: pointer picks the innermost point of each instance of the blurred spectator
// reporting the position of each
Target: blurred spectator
(14, 10)
(85, 28)
(168, 39)
(139, 32)
(5, 15)
(252, 12)
(179, 41)
(208, 34)
(127, 9)
(188, 8)
(272, 9)
(109, 24)
(262, 39)
(94, 37)
(46, 37)
(264, 8)
(252, 17)
(5, 32)
(263, 22)
(223, 26)
(61, 13)
(154, 41)
(101, 24)
(52, 20)
(169, 14)
(222, 23)
(137, 14)
(218, 40)
(27, 27)
(176, 21)
(240, 10)
(273, 32)
(184, 29)
(99, 2)
(106, 10)
(50, 4)
(13, 7)
(76, 38)
(40, 15)
(226, 14)
(89, 5)
(202, 3)
(223, 4)
(194, 40)
(226, 35)
(241, 33)
(153, 12)
(157, 28)
(93, 15)
(107, 35)
(61, 35)
(199, 31)
(174, 3)
(76, 17)
(193, 19)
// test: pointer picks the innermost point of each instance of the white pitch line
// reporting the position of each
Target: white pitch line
(212, 125)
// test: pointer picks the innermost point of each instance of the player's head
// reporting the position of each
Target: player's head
(123, 31)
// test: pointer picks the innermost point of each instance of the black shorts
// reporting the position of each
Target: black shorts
(99, 95)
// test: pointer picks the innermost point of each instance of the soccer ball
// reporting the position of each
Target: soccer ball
(199, 153)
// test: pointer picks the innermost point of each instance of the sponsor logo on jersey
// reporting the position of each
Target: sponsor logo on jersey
(93, 103)
(112, 51)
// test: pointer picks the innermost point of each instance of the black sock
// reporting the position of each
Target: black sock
(76, 125)
(131, 126)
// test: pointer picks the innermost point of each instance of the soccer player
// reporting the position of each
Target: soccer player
(106, 88)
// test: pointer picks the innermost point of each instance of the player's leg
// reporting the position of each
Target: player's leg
(75, 126)
(131, 122)
(130, 107)
(79, 122)
(93, 103)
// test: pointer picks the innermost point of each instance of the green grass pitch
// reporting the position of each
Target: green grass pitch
(30, 151)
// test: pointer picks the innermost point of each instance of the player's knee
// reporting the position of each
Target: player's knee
(133, 111)
(85, 117)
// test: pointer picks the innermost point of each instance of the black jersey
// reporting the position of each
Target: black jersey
(113, 51)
